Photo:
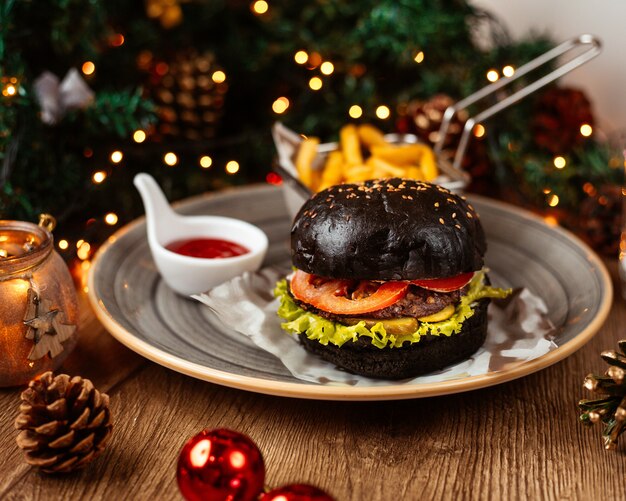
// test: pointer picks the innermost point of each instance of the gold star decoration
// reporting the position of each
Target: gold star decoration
(45, 327)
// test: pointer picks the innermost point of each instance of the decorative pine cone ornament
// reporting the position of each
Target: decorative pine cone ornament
(610, 408)
(189, 91)
(559, 114)
(599, 217)
(423, 118)
(65, 423)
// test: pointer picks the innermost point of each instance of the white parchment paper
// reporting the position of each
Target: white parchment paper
(519, 330)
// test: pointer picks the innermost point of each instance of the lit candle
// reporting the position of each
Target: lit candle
(39, 310)
(11, 248)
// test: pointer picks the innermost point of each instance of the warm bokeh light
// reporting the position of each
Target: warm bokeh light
(63, 244)
(327, 67)
(117, 40)
(419, 57)
(260, 7)
(553, 200)
(273, 178)
(559, 162)
(315, 83)
(301, 57)
(492, 75)
(551, 221)
(88, 68)
(315, 59)
(479, 130)
(355, 111)
(280, 105)
(590, 189)
(139, 136)
(83, 251)
(9, 90)
(170, 159)
(219, 76)
(383, 112)
(111, 218)
(232, 167)
(206, 161)
(161, 68)
(586, 130)
(116, 157)
(99, 176)
(508, 71)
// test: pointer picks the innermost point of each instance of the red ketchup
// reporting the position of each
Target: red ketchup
(214, 248)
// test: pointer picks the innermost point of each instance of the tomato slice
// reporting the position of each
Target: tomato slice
(330, 295)
(445, 284)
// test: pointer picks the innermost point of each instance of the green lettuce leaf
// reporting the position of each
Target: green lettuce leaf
(297, 320)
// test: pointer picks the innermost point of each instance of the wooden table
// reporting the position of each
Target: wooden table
(514, 441)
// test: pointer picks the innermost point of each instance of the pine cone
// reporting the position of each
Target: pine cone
(559, 113)
(65, 423)
(610, 408)
(423, 118)
(189, 92)
(599, 218)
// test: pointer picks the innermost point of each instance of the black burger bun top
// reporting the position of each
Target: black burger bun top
(391, 229)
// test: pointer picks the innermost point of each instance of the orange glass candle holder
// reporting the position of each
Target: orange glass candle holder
(38, 305)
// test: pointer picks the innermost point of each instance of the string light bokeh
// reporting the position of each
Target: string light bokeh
(206, 161)
(383, 112)
(232, 167)
(170, 159)
(88, 68)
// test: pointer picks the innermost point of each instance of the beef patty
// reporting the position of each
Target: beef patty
(417, 303)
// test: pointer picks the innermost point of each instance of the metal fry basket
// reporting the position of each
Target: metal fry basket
(451, 175)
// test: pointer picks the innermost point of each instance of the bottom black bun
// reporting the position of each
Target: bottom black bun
(430, 354)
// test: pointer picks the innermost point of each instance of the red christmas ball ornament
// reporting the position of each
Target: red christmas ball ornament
(220, 465)
(297, 492)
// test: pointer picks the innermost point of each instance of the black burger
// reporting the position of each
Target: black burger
(388, 279)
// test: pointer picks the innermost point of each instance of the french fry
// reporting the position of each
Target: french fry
(428, 163)
(358, 173)
(413, 161)
(383, 168)
(304, 161)
(405, 154)
(349, 141)
(414, 172)
(316, 179)
(333, 170)
(370, 135)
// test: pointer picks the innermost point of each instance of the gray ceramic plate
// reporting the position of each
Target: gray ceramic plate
(135, 305)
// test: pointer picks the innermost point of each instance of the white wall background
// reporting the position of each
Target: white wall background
(604, 78)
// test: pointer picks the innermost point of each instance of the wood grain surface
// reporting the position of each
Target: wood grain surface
(519, 440)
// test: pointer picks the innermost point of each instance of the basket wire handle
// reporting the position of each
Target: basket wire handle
(595, 47)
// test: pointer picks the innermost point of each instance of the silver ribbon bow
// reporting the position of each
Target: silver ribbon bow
(56, 97)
